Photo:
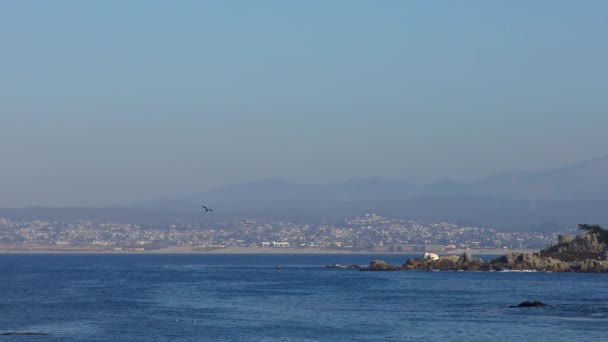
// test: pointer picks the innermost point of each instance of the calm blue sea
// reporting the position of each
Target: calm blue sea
(247, 298)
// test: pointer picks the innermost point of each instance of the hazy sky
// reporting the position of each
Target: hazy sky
(116, 101)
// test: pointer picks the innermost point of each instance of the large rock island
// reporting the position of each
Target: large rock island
(585, 253)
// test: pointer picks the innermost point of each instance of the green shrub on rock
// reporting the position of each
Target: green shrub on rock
(597, 230)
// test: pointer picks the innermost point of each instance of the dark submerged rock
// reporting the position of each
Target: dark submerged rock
(529, 304)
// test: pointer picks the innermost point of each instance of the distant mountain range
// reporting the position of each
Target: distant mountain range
(579, 182)
(546, 200)
(582, 181)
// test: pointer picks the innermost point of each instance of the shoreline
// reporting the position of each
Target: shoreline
(245, 250)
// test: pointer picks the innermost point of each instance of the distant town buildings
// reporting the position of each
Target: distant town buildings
(367, 233)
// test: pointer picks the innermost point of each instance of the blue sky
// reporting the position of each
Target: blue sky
(118, 101)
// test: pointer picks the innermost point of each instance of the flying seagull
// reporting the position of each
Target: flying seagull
(206, 209)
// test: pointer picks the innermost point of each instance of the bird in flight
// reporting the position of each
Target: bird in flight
(206, 209)
(245, 222)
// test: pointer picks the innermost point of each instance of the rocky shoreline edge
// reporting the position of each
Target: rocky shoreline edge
(587, 253)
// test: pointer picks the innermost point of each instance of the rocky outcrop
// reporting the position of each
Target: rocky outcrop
(430, 256)
(350, 266)
(591, 266)
(380, 265)
(465, 262)
(585, 253)
(529, 262)
(511, 261)
(585, 246)
(442, 263)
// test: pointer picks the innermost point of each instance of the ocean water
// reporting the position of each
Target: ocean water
(247, 298)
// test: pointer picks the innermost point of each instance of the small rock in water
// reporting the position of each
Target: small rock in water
(529, 303)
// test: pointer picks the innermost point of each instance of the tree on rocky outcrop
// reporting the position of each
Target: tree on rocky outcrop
(592, 245)
(597, 230)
